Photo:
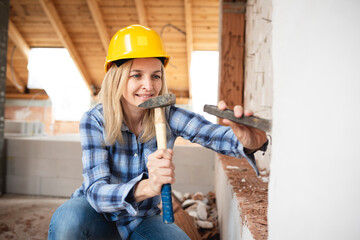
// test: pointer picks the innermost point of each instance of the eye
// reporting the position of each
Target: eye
(137, 75)
(155, 76)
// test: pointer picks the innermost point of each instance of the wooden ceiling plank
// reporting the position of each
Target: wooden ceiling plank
(141, 12)
(99, 22)
(189, 37)
(13, 78)
(62, 33)
(18, 39)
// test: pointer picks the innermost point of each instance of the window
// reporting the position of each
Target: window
(204, 81)
(53, 70)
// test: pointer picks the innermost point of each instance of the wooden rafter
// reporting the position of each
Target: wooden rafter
(62, 33)
(18, 39)
(141, 12)
(99, 22)
(189, 38)
(14, 79)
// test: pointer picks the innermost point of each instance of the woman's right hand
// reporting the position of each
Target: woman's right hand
(161, 170)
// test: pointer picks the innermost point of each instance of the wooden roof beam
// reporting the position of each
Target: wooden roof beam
(141, 12)
(13, 78)
(99, 22)
(189, 38)
(18, 39)
(24, 48)
(62, 33)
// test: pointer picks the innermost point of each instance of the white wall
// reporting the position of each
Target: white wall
(314, 190)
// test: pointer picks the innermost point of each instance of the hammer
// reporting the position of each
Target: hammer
(158, 103)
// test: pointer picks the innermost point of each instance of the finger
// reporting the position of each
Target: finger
(226, 122)
(221, 105)
(166, 172)
(238, 111)
(168, 154)
(166, 180)
(163, 153)
(157, 154)
(160, 163)
(161, 180)
(248, 113)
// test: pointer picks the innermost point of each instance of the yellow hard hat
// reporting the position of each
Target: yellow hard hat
(135, 41)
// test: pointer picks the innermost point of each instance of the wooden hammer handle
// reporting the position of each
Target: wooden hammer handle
(160, 128)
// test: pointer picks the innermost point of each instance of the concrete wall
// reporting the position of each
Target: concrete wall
(51, 166)
(43, 166)
(258, 95)
(314, 190)
(194, 169)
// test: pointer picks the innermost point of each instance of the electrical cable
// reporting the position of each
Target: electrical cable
(176, 28)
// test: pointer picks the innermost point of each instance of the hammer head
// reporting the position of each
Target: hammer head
(159, 101)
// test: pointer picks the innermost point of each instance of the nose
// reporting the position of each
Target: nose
(147, 84)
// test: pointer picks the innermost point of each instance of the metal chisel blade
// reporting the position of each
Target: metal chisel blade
(255, 122)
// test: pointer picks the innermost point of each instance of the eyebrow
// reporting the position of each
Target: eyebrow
(139, 71)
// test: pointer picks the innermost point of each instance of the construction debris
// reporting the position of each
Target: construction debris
(202, 209)
(251, 192)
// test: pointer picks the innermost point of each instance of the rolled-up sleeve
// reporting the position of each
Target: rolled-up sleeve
(99, 191)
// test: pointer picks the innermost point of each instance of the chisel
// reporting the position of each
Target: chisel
(252, 121)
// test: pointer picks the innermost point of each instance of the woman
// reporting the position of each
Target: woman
(123, 170)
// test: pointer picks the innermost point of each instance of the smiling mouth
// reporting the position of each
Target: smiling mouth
(144, 96)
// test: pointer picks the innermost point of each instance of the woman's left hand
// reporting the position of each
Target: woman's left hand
(251, 138)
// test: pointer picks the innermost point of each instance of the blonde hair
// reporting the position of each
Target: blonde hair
(112, 89)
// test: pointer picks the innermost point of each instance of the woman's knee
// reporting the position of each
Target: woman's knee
(154, 228)
(69, 220)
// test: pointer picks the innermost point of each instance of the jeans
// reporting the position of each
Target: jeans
(76, 219)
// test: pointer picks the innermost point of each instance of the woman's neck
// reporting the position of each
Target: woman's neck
(133, 117)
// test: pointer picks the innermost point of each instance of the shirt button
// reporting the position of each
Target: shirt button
(135, 155)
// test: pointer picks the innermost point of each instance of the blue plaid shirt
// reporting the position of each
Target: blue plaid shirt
(111, 172)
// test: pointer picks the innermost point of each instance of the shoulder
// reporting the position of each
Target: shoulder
(180, 118)
(177, 113)
(93, 116)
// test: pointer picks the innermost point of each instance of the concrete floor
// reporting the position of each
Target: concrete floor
(26, 217)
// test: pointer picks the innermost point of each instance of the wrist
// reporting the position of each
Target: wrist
(143, 190)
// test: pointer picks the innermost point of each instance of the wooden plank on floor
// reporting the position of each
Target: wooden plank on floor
(185, 221)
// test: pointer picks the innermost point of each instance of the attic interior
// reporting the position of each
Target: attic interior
(294, 63)
(239, 31)
(84, 29)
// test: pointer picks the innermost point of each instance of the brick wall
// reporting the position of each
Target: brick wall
(39, 110)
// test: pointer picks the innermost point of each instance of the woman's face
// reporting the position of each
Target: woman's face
(144, 81)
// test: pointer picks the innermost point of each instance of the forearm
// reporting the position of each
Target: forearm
(105, 197)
